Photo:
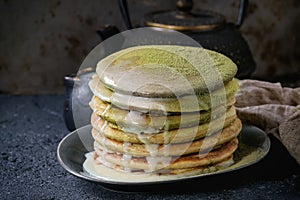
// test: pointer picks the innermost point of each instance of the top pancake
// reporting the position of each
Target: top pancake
(165, 71)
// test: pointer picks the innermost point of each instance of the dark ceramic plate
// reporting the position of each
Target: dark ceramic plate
(72, 149)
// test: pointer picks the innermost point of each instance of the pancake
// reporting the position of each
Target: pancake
(147, 66)
(176, 149)
(135, 122)
(165, 105)
(157, 163)
(172, 136)
(167, 172)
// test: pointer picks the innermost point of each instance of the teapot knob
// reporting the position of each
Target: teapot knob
(184, 6)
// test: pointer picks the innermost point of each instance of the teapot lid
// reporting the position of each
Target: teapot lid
(183, 19)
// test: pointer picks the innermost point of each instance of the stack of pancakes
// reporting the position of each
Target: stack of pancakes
(164, 110)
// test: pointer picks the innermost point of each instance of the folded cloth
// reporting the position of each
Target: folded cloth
(273, 108)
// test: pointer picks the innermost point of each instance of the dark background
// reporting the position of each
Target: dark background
(41, 41)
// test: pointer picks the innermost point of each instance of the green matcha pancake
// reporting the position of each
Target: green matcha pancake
(174, 149)
(172, 136)
(168, 162)
(135, 121)
(189, 171)
(165, 71)
(165, 105)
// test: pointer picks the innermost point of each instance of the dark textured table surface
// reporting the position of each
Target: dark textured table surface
(32, 126)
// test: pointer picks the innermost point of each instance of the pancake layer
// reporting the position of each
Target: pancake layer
(135, 121)
(150, 164)
(176, 149)
(180, 104)
(172, 136)
(169, 172)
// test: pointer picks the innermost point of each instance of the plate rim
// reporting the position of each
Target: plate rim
(120, 183)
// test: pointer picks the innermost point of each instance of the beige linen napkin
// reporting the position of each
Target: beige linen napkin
(274, 109)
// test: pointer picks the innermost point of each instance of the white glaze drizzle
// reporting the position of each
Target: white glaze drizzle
(142, 138)
(152, 149)
(101, 159)
(103, 171)
(125, 146)
(106, 109)
(153, 163)
(103, 127)
(126, 158)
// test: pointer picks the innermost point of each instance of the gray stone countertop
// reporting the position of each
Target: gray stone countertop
(31, 126)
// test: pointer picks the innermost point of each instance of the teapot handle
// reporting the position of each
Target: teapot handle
(242, 12)
(125, 13)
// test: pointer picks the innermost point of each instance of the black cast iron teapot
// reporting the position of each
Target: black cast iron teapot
(209, 29)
